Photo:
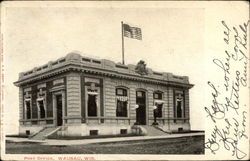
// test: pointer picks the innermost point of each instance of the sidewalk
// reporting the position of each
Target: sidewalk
(101, 140)
(17, 139)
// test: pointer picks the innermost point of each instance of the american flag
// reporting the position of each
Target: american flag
(132, 32)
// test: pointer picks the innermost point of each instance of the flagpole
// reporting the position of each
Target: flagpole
(122, 44)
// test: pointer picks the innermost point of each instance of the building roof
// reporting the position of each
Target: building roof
(75, 62)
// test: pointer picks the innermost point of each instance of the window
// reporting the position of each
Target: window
(28, 109)
(180, 129)
(121, 92)
(122, 102)
(93, 97)
(93, 132)
(40, 104)
(158, 103)
(92, 107)
(159, 110)
(27, 132)
(139, 94)
(179, 104)
(123, 131)
(157, 95)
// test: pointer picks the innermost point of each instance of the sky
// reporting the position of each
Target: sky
(172, 41)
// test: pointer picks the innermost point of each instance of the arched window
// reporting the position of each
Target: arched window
(122, 102)
(158, 103)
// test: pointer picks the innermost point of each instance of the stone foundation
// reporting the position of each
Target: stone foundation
(24, 130)
(85, 130)
(176, 127)
(103, 129)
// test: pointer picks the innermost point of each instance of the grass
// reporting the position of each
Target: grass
(183, 145)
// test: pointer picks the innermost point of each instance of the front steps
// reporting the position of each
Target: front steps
(44, 133)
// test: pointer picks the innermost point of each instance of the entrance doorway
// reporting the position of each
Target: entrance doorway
(59, 110)
(141, 110)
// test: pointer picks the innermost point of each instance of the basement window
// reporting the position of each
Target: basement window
(93, 132)
(27, 132)
(180, 129)
(123, 131)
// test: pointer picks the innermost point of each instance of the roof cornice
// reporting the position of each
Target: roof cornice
(96, 71)
(75, 62)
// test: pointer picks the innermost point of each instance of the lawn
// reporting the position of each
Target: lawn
(184, 145)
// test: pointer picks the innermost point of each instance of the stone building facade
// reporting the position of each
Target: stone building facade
(85, 96)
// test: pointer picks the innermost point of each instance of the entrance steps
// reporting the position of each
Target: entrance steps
(149, 130)
(44, 133)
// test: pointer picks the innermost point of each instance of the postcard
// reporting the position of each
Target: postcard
(132, 80)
